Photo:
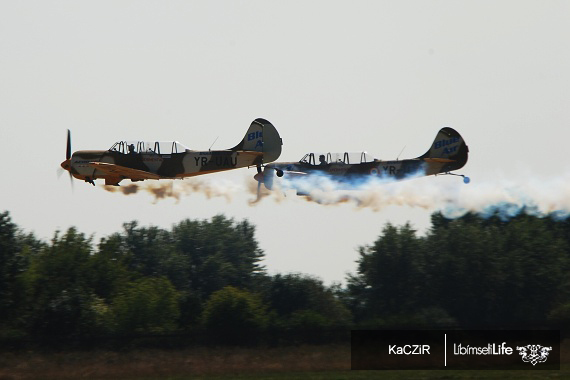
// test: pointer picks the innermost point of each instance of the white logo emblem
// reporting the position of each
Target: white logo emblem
(534, 353)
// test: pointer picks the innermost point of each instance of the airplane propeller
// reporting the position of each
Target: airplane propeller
(259, 178)
(67, 163)
(68, 150)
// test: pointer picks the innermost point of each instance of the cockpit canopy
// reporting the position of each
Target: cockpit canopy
(337, 158)
(157, 147)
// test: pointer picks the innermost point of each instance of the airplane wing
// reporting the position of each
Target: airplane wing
(124, 172)
(439, 160)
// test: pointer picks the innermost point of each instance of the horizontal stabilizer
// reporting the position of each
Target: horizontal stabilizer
(249, 153)
(441, 160)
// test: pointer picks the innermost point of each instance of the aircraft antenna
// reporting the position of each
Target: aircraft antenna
(213, 143)
(397, 159)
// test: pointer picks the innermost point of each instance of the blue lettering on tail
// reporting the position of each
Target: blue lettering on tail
(254, 135)
(442, 143)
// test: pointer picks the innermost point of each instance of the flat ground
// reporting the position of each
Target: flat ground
(331, 362)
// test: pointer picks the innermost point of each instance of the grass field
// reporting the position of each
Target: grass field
(304, 362)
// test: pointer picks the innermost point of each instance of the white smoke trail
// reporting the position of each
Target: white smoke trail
(505, 198)
(508, 198)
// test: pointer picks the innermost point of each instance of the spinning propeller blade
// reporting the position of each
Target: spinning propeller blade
(68, 151)
(67, 163)
(259, 178)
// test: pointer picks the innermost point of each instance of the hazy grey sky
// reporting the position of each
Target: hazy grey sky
(330, 75)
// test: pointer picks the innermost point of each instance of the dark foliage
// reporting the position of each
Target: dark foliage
(468, 272)
(201, 277)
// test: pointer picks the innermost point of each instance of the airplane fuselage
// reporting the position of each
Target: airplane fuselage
(348, 171)
(142, 160)
(167, 166)
(397, 169)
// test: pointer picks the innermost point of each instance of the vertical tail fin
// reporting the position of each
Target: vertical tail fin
(448, 149)
(262, 137)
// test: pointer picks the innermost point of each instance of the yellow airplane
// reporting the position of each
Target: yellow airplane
(142, 160)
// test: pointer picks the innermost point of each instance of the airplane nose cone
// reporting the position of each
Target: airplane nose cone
(66, 164)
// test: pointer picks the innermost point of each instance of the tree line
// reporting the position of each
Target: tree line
(206, 276)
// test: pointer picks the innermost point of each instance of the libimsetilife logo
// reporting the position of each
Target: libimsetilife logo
(534, 353)
(455, 349)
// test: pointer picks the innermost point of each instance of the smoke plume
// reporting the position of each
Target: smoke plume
(505, 198)
(179, 189)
